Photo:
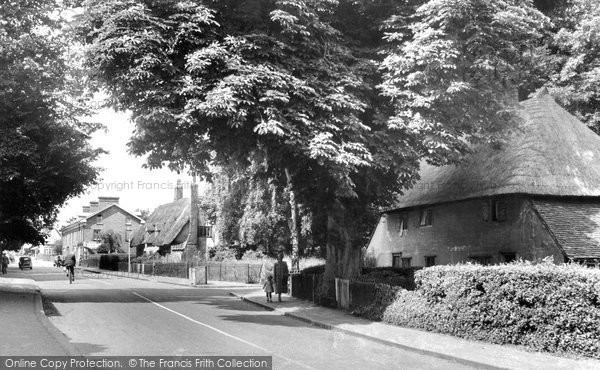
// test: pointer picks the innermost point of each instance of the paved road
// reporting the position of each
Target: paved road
(118, 316)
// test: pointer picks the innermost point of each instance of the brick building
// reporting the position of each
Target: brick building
(82, 234)
(537, 195)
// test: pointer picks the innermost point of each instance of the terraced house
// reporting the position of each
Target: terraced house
(82, 234)
(537, 195)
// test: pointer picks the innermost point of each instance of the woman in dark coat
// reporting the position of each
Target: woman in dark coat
(280, 274)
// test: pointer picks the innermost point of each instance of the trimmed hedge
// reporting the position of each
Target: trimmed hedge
(383, 296)
(399, 277)
(544, 306)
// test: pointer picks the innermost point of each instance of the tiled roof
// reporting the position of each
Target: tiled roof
(574, 224)
(550, 152)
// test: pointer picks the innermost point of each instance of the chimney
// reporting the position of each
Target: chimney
(178, 190)
(93, 207)
(86, 209)
(104, 202)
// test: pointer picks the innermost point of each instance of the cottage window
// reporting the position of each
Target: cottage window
(406, 261)
(204, 231)
(426, 217)
(402, 223)
(499, 210)
(96, 234)
(485, 211)
(396, 259)
(429, 261)
(99, 219)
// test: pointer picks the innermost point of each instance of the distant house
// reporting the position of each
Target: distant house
(537, 195)
(53, 239)
(82, 234)
(168, 228)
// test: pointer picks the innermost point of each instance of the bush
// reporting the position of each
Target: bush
(544, 306)
(384, 296)
(251, 255)
(399, 277)
(221, 253)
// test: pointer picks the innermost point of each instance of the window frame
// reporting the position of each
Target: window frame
(428, 214)
(99, 219)
(397, 257)
(406, 262)
(497, 216)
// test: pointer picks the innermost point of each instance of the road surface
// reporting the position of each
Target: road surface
(120, 316)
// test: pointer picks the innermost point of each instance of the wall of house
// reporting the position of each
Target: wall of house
(112, 219)
(459, 232)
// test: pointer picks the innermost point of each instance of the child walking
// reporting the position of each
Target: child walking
(268, 287)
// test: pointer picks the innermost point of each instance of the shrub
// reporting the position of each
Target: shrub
(544, 306)
(222, 253)
(384, 296)
(400, 277)
(251, 255)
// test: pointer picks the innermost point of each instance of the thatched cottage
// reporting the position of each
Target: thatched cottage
(169, 229)
(536, 196)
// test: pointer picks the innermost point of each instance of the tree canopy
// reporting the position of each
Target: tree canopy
(337, 100)
(44, 155)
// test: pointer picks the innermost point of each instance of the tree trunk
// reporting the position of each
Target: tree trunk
(294, 229)
(343, 254)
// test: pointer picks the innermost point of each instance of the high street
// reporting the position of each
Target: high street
(119, 316)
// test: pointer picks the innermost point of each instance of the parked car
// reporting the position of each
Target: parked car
(25, 262)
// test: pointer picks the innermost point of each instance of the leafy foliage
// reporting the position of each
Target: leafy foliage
(450, 69)
(519, 303)
(575, 81)
(110, 242)
(44, 155)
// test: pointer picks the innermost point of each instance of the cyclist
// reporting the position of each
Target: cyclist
(70, 265)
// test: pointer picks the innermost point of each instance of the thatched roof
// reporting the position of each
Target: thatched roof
(575, 226)
(164, 224)
(550, 153)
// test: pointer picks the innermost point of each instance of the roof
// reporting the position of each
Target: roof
(164, 224)
(574, 225)
(86, 217)
(550, 152)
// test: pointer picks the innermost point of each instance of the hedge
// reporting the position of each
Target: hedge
(544, 306)
(399, 277)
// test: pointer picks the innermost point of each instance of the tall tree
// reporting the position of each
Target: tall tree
(452, 67)
(219, 81)
(44, 155)
(575, 46)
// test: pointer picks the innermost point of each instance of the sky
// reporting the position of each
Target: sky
(122, 174)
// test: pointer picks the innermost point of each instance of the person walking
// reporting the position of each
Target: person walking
(5, 262)
(268, 287)
(281, 274)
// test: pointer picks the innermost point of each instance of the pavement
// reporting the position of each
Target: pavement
(25, 324)
(25, 294)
